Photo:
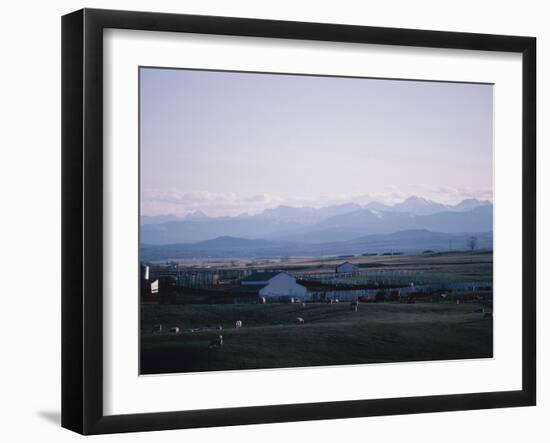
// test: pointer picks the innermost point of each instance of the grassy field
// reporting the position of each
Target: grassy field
(447, 267)
(331, 335)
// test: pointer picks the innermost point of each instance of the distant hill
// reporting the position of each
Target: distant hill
(191, 231)
(410, 241)
(220, 247)
(227, 242)
(420, 240)
(365, 222)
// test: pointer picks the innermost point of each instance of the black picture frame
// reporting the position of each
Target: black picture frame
(82, 215)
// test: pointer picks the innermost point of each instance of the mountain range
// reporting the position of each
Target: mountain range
(332, 224)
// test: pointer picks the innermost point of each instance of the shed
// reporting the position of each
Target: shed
(347, 268)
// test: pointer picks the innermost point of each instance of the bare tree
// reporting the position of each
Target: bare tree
(472, 242)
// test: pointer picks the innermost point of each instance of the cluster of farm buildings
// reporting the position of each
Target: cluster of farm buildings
(345, 281)
(270, 285)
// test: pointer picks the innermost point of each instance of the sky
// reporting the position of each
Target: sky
(227, 143)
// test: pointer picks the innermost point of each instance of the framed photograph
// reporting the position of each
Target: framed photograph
(269, 221)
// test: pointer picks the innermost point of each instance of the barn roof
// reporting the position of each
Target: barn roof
(261, 276)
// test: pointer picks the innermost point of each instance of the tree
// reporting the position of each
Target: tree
(472, 242)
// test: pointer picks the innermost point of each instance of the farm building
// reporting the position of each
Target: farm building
(346, 268)
(275, 285)
(197, 278)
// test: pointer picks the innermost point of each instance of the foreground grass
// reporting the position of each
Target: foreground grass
(331, 335)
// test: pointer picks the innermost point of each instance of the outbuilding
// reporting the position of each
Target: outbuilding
(276, 286)
(347, 268)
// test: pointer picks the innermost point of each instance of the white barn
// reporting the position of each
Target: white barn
(346, 268)
(283, 284)
(276, 285)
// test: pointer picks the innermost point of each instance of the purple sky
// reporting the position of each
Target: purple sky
(227, 143)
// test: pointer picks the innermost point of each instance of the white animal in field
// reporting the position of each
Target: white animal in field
(354, 305)
(216, 342)
(157, 329)
(174, 330)
(239, 324)
(299, 321)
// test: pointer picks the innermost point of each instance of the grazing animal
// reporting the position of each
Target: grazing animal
(239, 324)
(157, 329)
(174, 330)
(354, 306)
(216, 342)
(299, 321)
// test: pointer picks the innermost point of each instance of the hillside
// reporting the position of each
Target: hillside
(410, 241)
